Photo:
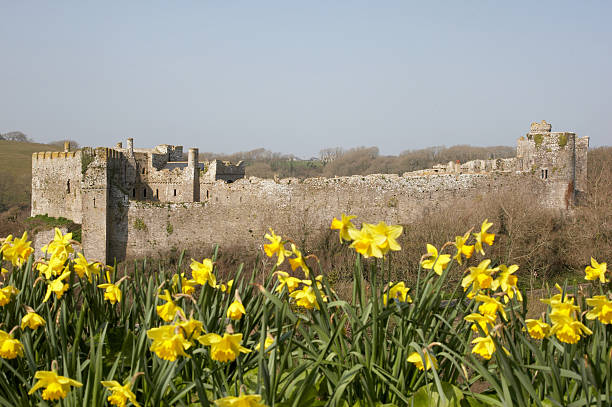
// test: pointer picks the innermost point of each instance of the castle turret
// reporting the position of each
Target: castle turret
(130, 146)
(194, 170)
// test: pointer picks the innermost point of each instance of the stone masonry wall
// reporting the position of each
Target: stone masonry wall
(237, 215)
(56, 184)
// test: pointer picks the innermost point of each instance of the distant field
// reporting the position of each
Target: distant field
(16, 171)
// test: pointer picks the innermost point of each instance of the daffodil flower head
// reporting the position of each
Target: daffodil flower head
(236, 310)
(434, 261)
(483, 237)
(566, 328)
(506, 280)
(56, 387)
(57, 286)
(269, 341)
(463, 248)
(399, 292)
(169, 310)
(60, 244)
(343, 225)
(364, 241)
(423, 363)
(168, 342)
(305, 297)
(191, 328)
(485, 347)
(120, 394)
(202, 272)
(298, 261)
(276, 247)
(537, 328)
(596, 271)
(385, 236)
(223, 348)
(10, 347)
(479, 277)
(32, 320)
(285, 280)
(481, 320)
(251, 400)
(84, 268)
(7, 294)
(602, 309)
(490, 306)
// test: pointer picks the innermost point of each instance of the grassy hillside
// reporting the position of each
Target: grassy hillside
(16, 171)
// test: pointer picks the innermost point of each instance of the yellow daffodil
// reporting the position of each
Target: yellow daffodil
(227, 288)
(490, 306)
(298, 261)
(483, 237)
(306, 297)
(223, 349)
(421, 364)
(385, 236)
(7, 243)
(276, 247)
(253, 400)
(364, 241)
(343, 225)
(537, 328)
(267, 343)
(434, 261)
(399, 292)
(286, 280)
(484, 347)
(60, 244)
(10, 347)
(602, 309)
(479, 278)
(57, 286)
(56, 387)
(120, 394)
(7, 293)
(191, 329)
(3, 270)
(85, 268)
(187, 285)
(482, 320)
(53, 267)
(168, 342)
(32, 320)
(596, 271)
(462, 248)
(168, 311)
(17, 251)
(236, 310)
(506, 280)
(202, 272)
(112, 292)
(565, 327)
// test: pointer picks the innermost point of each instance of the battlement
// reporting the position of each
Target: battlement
(50, 155)
(541, 127)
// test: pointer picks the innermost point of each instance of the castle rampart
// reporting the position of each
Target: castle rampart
(138, 202)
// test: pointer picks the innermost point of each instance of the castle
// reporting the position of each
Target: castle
(141, 202)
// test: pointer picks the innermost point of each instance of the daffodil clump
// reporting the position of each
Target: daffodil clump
(75, 331)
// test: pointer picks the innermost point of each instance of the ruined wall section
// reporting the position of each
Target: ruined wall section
(56, 184)
(104, 167)
(222, 170)
(237, 215)
(581, 184)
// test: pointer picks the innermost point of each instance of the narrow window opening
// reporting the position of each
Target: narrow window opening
(94, 202)
(175, 192)
(207, 194)
(546, 173)
(144, 192)
(143, 171)
(68, 187)
(134, 193)
(157, 193)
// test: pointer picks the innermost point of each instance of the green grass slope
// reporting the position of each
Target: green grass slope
(16, 171)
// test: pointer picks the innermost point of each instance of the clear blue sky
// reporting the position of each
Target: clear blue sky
(297, 77)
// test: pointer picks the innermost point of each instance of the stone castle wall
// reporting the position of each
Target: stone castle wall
(137, 202)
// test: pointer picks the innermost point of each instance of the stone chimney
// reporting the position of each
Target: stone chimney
(66, 146)
(130, 146)
(192, 157)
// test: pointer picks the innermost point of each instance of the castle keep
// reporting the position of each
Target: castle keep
(138, 202)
